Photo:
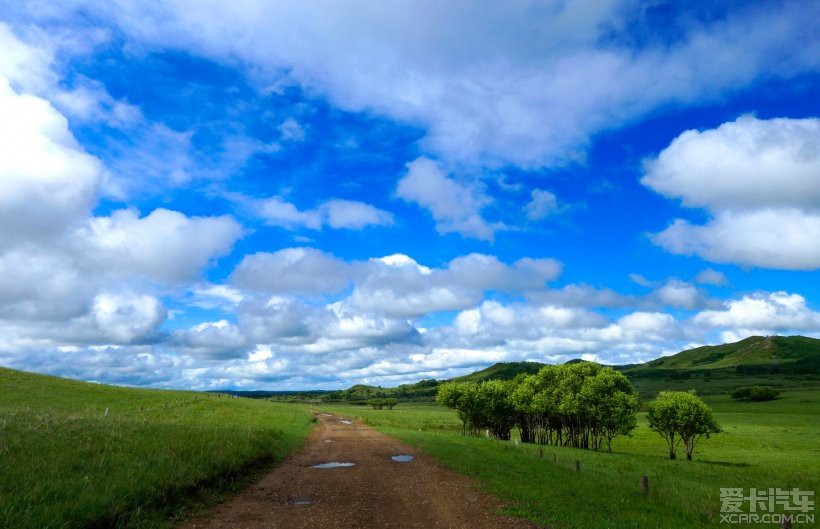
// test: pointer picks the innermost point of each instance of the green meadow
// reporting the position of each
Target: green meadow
(764, 444)
(152, 457)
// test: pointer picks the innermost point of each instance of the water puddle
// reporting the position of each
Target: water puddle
(330, 441)
(333, 464)
(325, 415)
(302, 502)
(403, 458)
(345, 421)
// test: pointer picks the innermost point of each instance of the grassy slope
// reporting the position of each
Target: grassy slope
(755, 350)
(65, 464)
(769, 444)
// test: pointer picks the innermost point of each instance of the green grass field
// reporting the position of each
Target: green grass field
(767, 444)
(154, 457)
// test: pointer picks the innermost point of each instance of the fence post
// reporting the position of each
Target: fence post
(786, 523)
(577, 465)
(645, 485)
(541, 453)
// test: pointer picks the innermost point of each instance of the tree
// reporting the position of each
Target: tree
(499, 412)
(681, 416)
(464, 397)
(612, 405)
(390, 403)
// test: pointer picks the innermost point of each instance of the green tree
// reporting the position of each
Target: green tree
(498, 414)
(390, 403)
(681, 416)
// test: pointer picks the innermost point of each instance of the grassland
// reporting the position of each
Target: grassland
(768, 444)
(154, 455)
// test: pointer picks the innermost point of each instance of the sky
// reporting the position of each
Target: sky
(293, 195)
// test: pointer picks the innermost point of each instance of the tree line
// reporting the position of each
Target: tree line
(582, 405)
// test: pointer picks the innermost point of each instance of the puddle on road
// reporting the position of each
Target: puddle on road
(345, 421)
(302, 502)
(325, 415)
(403, 458)
(330, 441)
(333, 464)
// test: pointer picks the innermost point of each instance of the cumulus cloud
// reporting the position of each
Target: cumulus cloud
(763, 313)
(49, 181)
(760, 179)
(336, 213)
(455, 206)
(69, 277)
(744, 164)
(164, 245)
(768, 238)
(292, 270)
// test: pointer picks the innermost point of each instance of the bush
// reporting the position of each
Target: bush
(755, 394)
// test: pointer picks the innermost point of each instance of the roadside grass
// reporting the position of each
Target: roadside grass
(154, 457)
(767, 444)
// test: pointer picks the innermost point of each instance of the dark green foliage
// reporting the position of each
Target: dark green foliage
(583, 405)
(755, 394)
(379, 404)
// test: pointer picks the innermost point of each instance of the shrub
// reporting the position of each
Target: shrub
(755, 394)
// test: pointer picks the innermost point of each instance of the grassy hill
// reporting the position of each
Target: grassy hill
(780, 361)
(501, 371)
(75, 454)
(784, 362)
(774, 353)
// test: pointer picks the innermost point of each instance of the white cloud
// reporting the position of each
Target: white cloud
(680, 294)
(744, 164)
(336, 213)
(455, 206)
(48, 180)
(542, 204)
(763, 313)
(291, 130)
(761, 181)
(353, 215)
(127, 318)
(768, 238)
(709, 276)
(292, 270)
(213, 339)
(164, 245)
(486, 83)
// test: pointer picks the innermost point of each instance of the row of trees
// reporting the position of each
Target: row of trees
(379, 404)
(583, 405)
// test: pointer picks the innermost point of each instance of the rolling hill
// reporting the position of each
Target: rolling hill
(788, 353)
(712, 369)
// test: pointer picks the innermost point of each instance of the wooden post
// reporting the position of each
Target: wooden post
(577, 465)
(106, 413)
(645, 485)
(541, 453)
(786, 523)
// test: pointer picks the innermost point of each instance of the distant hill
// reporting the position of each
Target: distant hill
(754, 355)
(501, 371)
(768, 360)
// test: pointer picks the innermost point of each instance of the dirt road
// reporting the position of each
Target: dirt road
(374, 493)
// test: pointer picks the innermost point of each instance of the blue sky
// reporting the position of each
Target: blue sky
(287, 196)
